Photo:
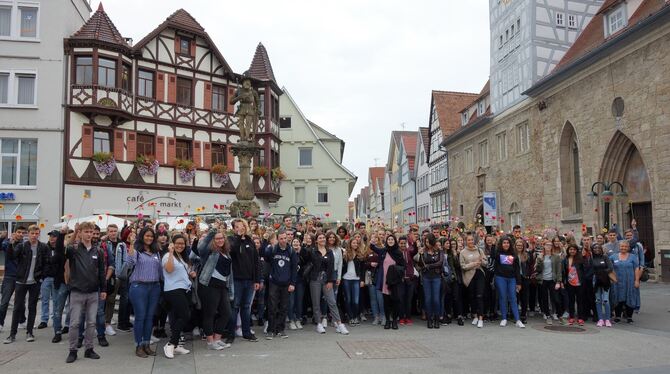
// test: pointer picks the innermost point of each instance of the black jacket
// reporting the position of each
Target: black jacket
(246, 259)
(87, 269)
(321, 263)
(23, 255)
(580, 272)
(509, 268)
(55, 265)
(358, 267)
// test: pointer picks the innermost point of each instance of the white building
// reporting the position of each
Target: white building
(422, 180)
(32, 95)
(311, 158)
(407, 155)
(528, 39)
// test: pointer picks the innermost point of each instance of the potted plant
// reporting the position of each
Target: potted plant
(186, 169)
(147, 165)
(104, 162)
(277, 175)
(220, 173)
(260, 171)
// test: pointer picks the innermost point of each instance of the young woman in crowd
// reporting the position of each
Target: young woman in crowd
(526, 268)
(390, 259)
(549, 270)
(177, 275)
(454, 302)
(430, 260)
(573, 273)
(507, 279)
(333, 244)
(352, 278)
(145, 289)
(602, 268)
(372, 268)
(260, 296)
(488, 245)
(296, 297)
(624, 295)
(322, 280)
(213, 287)
(472, 259)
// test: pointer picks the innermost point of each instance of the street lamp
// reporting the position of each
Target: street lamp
(607, 196)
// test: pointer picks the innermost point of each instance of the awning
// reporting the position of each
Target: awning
(20, 212)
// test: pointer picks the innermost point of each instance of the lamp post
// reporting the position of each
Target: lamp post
(607, 196)
(298, 209)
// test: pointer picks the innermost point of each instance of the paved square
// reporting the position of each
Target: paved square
(6, 356)
(386, 348)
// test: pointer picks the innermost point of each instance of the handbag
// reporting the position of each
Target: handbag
(128, 269)
(645, 275)
(395, 275)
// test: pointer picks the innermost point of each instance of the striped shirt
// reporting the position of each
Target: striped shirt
(147, 267)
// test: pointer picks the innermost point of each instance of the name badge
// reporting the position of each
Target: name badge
(94, 257)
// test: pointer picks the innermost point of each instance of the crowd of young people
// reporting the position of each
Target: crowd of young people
(214, 284)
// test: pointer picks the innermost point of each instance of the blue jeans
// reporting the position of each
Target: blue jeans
(46, 293)
(60, 296)
(244, 295)
(295, 302)
(431, 296)
(352, 292)
(144, 298)
(603, 304)
(507, 293)
(376, 301)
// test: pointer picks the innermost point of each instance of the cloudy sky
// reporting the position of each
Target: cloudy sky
(360, 69)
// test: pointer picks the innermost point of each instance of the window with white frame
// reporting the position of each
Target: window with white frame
(102, 141)
(19, 19)
(322, 195)
(464, 118)
(522, 138)
(305, 157)
(484, 153)
(572, 21)
(18, 88)
(502, 145)
(299, 195)
(616, 20)
(514, 215)
(18, 160)
(481, 107)
(469, 160)
(560, 19)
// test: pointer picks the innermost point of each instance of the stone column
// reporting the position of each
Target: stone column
(245, 152)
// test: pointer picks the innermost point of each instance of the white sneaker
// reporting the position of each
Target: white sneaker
(109, 330)
(503, 323)
(223, 344)
(324, 322)
(480, 324)
(520, 324)
(363, 318)
(342, 329)
(213, 346)
(154, 339)
(320, 329)
(196, 331)
(292, 326)
(238, 332)
(298, 324)
(382, 321)
(265, 327)
(475, 321)
(180, 350)
(554, 317)
(375, 321)
(22, 326)
(168, 349)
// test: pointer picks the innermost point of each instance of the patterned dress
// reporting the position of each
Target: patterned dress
(624, 290)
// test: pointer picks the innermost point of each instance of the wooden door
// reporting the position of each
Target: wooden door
(642, 213)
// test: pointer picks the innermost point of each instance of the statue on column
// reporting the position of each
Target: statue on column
(248, 110)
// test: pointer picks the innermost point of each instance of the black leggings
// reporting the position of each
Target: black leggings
(476, 293)
(524, 296)
(215, 307)
(179, 304)
(392, 304)
(575, 295)
(548, 293)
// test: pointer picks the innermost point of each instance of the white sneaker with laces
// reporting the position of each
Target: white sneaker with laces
(520, 324)
(480, 324)
(180, 350)
(320, 329)
(292, 326)
(475, 321)
(503, 323)
(168, 349)
(298, 324)
(223, 344)
(109, 330)
(214, 346)
(342, 329)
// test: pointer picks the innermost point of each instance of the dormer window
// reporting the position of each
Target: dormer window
(615, 20)
(480, 107)
(464, 118)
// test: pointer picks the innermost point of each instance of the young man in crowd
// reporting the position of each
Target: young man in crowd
(283, 275)
(54, 272)
(9, 278)
(117, 253)
(87, 286)
(30, 257)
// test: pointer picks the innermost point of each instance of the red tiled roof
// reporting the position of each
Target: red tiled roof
(100, 27)
(260, 67)
(182, 19)
(448, 106)
(425, 137)
(593, 35)
(409, 142)
(375, 174)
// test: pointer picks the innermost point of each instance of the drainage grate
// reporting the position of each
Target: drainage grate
(569, 329)
(381, 349)
(7, 356)
(560, 329)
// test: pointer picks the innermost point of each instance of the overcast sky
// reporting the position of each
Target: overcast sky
(360, 69)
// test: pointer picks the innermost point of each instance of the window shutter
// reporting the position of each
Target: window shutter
(160, 87)
(231, 94)
(197, 154)
(177, 45)
(87, 141)
(208, 96)
(230, 158)
(207, 155)
(172, 88)
(118, 145)
(171, 150)
(192, 46)
(131, 146)
(160, 149)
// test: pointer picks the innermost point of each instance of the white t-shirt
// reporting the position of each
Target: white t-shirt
(351, 272)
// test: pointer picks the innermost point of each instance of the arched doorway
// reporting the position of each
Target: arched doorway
(571, 197)
(623, 163)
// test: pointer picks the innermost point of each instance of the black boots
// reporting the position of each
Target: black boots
(436, 322)
(394, 323)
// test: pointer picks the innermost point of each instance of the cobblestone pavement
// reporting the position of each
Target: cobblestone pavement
(638, 348)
